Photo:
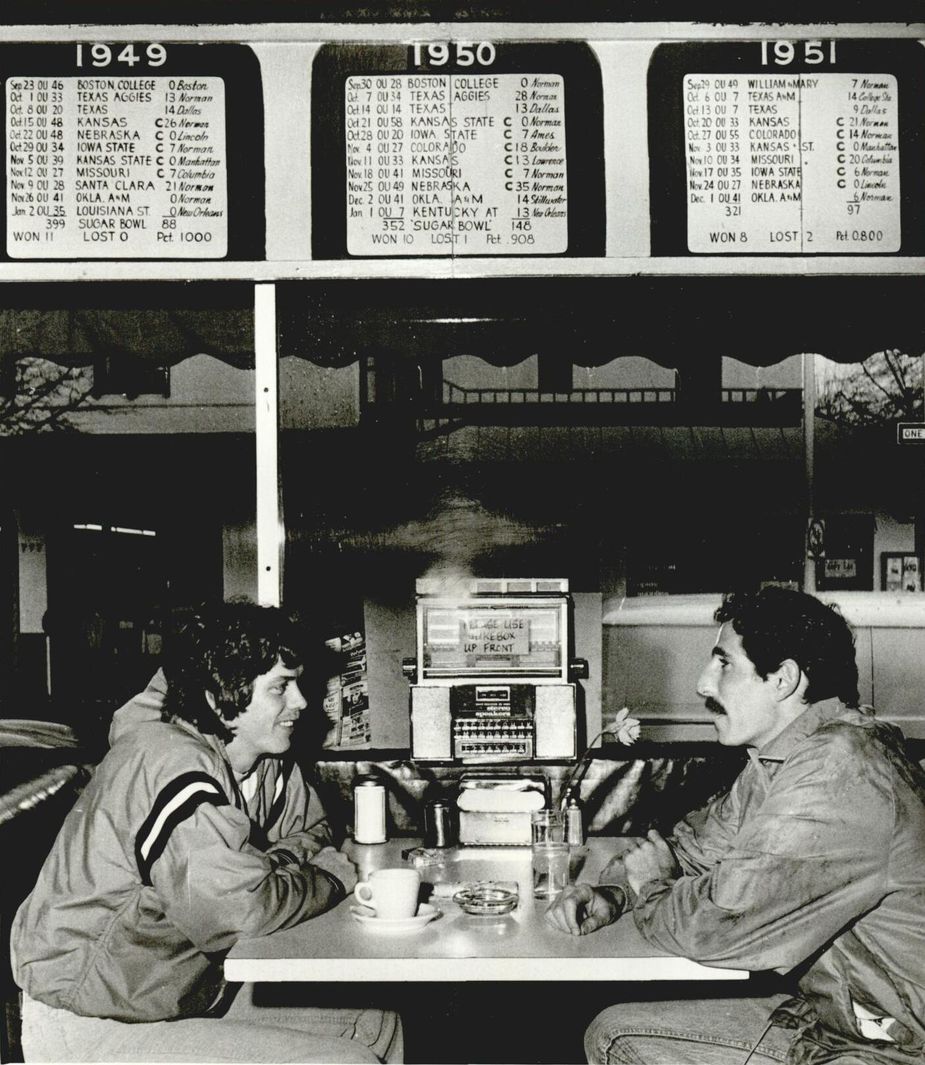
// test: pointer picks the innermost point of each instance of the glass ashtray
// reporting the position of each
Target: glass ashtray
(486, 900)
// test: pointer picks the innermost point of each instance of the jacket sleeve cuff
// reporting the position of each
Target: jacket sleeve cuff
(338, 890)
(620, 894)
(282, 856)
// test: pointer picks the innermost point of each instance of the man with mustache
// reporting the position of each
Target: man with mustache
(812, 865)
(195, 831)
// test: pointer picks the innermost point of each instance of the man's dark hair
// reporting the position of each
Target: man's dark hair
(779, 623)
(222, 650)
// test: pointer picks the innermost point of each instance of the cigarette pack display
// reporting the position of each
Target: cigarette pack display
(346, 702)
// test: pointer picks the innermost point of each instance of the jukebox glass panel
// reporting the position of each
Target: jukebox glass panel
(499, 639)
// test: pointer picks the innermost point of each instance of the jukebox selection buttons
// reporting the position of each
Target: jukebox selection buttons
(493, 738)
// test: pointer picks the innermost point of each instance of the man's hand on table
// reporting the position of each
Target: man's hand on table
(581, 909)
(650, 859)
(337, 864)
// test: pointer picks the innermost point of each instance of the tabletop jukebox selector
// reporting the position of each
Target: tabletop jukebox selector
(492, 681)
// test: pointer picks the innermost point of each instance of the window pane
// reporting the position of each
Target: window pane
(127, 425)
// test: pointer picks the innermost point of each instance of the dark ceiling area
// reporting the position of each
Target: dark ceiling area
(673, 321)
(56, 12)
(589, 321)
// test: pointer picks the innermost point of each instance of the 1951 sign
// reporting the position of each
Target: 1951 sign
(787, 147)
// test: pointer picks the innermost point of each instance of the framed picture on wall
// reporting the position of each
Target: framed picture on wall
(900, 572)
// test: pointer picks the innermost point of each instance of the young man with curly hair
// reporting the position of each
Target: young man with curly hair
(812, 865)
(196, 830)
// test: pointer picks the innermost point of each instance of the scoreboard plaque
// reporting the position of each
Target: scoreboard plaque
(787, 147)
(125, 150)
(457, 148)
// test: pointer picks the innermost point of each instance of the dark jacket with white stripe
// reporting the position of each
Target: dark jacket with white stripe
(160, 867)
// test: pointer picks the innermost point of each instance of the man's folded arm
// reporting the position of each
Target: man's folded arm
(216, 887)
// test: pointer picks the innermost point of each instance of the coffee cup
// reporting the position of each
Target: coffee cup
(391, 893)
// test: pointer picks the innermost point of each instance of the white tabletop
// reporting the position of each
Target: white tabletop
(459, 947)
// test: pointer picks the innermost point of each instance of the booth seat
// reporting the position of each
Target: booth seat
(42, 771)
(624, 791)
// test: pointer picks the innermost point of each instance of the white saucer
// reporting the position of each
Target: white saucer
(394, 925)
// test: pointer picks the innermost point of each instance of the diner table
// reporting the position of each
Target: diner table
(458, 947)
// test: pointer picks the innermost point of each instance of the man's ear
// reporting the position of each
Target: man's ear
(789, 679)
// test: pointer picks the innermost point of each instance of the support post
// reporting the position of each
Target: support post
(270, 533)
(808, 362)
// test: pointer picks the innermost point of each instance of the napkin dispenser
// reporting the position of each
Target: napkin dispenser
(495, 811)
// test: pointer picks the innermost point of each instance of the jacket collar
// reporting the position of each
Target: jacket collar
(208, 738)
(813, 718)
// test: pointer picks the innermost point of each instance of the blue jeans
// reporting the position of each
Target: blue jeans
(708, 1032)
(246, 1033)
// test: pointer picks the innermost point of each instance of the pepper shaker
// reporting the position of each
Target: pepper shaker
(574, 821)
(438, 824)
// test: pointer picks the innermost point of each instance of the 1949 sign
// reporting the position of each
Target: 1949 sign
(121, 150)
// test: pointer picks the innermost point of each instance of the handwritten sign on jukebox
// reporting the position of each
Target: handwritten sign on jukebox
(123, 152)
(489, 634)
(457, 148)
(795, 147)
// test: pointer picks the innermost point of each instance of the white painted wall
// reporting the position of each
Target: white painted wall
(33, 580)
(785, 374)
(206, 396)
(629, 371)
(468, 371)
(655, 647)
(891, 535)
(318, 397)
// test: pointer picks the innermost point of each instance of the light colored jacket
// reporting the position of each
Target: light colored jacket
(145, 706)
(813, 862)
(278, 781)
(160, 867)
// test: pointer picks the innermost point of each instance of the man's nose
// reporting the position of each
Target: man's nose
(705, 685)
(296, 698)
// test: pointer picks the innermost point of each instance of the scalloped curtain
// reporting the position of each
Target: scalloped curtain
(676, 322)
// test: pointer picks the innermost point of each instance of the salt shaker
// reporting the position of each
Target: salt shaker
(368, 810)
